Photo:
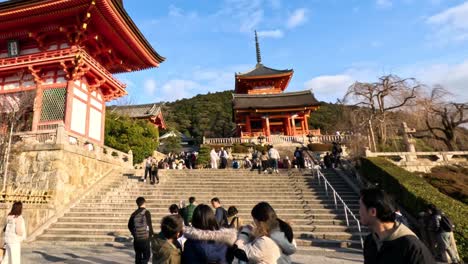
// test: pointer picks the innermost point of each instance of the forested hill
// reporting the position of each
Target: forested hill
(208, 115)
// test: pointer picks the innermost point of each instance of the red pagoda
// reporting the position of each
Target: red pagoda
(64, 53)
(262, 108)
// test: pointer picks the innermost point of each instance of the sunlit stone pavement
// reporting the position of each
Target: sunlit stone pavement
(113, 254)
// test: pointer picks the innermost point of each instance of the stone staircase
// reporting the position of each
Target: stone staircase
(101, 217)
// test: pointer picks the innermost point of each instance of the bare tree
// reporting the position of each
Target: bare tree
(16, 113)
(442, 117)
(378, 99)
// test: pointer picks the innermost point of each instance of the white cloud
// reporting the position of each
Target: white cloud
(454, 77)
(384, 3)
(330, 87)
(451, 24)
(298, 17)
(149, 86)
(277, 33)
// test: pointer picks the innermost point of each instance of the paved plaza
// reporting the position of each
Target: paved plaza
(116, 254)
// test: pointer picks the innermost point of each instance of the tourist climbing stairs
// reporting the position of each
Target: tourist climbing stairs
(102, 216)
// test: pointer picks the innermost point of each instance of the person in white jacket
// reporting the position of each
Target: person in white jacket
(284, 238)
(256, 241)
(214, 159)
(274, 158)
(15, 233)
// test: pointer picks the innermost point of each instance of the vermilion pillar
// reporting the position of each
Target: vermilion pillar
(267, 123)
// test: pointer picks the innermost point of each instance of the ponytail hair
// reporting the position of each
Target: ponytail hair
(286, 229)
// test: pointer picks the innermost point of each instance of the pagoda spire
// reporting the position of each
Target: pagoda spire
(257, 46)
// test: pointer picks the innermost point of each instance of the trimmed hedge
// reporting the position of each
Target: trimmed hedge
(414, 193)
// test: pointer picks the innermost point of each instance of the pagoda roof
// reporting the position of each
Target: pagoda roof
(137, 111)
(106, 20)
(262, 71)
(274, 101)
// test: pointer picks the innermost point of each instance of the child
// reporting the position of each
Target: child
(165, 247)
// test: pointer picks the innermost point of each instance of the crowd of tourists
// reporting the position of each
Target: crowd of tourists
(268, 160)
(184, 160)
(200, 234)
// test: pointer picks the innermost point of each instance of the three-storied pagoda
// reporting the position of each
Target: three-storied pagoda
(63, 53)
(262, 108)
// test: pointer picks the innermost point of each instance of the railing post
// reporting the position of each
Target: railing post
(60, 134)
(360, 234)
(346, 214)
(334, 197)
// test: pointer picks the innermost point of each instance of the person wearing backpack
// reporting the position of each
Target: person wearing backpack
(141, 228)
(442, 227)
(220, 212)
(233, 219)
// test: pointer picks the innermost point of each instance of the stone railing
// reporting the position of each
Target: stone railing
(422, 161)
(278, 140)
(60, 136)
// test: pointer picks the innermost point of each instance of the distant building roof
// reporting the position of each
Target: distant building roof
(281, 100)
(152, 112)
(261, 70)
(136, 111)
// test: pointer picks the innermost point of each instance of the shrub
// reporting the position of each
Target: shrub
(124, 134)
(204, 159)
(320, 147)
(414, 193)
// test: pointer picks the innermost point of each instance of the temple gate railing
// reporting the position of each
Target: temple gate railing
(278, 140)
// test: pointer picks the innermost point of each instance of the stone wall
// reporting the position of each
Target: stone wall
(68, 171)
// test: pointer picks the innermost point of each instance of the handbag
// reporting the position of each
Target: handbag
(2, 253)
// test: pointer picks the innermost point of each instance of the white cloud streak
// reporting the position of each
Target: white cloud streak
(451, 24)
(277, 33)
(297, 18)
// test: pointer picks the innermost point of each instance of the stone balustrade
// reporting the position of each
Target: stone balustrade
(278, 140)
(422, 161)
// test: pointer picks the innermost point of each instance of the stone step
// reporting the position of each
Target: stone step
(273, 202)
(240, 204)
(121, 229)
(159, 215)
(114, 237)
(123, 218)
(207, 197)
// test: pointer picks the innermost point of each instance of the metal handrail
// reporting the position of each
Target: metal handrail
(346, 209)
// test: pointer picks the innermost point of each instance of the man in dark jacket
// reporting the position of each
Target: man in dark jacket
(220, 212)
(389, 242)
(141, 228)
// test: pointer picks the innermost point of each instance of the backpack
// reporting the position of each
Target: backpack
(235, 219)
(140, 230)
(224, 221)
(446, 224)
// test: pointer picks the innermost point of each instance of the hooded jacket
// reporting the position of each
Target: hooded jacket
(287, 248)
(207, 246)
(402, 246)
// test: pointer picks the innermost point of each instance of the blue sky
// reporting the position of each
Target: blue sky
(329, 43)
